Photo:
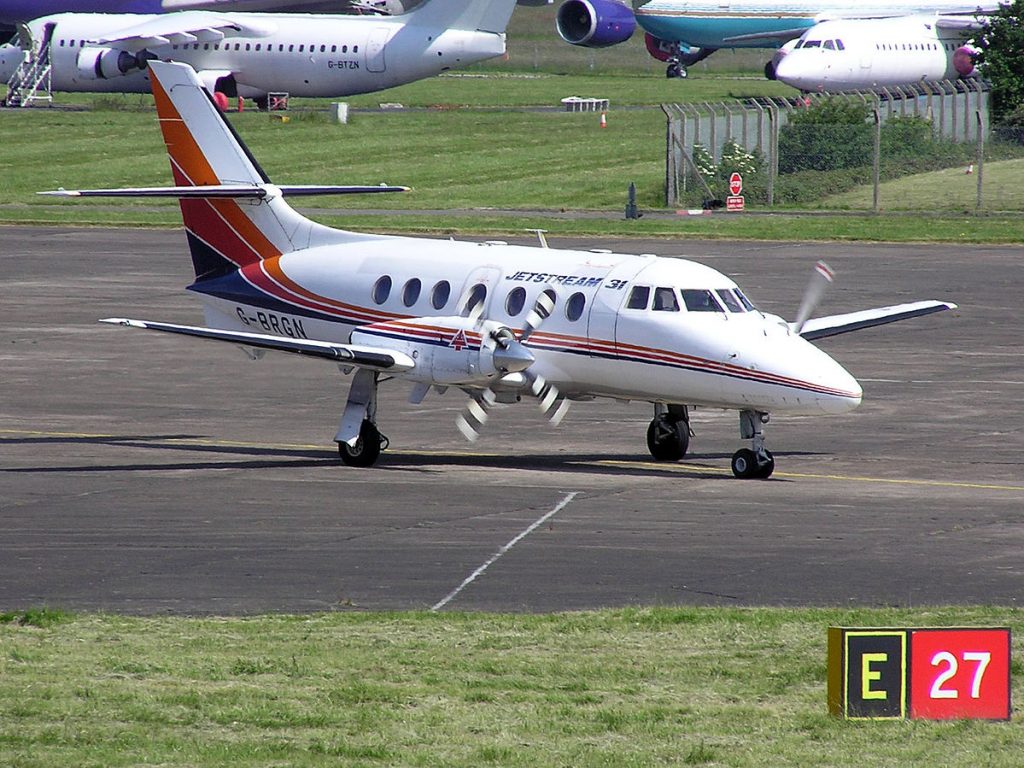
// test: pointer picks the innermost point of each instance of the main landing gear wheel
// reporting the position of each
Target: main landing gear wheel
(746, 465)
(668, 440)
(675, 71)
(668, 435)
(367, 449)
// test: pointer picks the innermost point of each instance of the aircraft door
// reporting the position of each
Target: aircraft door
(375, 46)
(481, 285)
(602, 322)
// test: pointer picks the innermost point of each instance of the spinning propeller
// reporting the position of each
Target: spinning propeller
(821, 278)
(511, 356)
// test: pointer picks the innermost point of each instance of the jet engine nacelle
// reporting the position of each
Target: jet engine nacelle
(594, 23)
(96, 63)
(450, 350)
(964, 59)
(780, 53)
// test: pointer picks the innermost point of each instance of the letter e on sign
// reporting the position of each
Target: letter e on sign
(960, 673)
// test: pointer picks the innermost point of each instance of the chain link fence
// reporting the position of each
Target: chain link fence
(928, 148)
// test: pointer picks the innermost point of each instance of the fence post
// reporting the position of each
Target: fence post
(877, 165)
(979, 159)
(670, 164)
(773, 151)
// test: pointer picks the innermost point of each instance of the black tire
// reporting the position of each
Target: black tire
(668, 440)
(744, 464)
(367, 449)
(764, 471)
(673, 71)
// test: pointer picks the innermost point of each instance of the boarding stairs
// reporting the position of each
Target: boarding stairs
(32, 81)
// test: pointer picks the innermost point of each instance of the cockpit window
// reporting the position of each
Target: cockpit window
(700, 300)
(840, 46)
(665, 300)
(638, 297)
(729, 299)
(744, 300)
(829, 45)
(812, 44)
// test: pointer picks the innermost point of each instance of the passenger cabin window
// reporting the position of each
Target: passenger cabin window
(411, 292)
(700, 300)
(440, 293)
(477, 295)
(515, 301)
(638, 297)
(574, 306)
(665, 300)
(382, 289)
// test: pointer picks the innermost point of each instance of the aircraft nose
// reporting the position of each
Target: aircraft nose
(793, 71)
(839, 392)
(10, 59)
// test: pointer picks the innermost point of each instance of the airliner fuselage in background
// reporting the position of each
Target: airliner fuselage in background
(864, 54)
(683, 32)
(251, 55)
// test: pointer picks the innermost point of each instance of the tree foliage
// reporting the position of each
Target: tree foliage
(1002, 58)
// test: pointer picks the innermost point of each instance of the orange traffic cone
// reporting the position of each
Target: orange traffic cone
(604, 119)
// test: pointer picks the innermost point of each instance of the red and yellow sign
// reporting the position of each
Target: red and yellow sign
(928, 673)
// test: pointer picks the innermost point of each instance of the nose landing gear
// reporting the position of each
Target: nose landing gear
(756, 462)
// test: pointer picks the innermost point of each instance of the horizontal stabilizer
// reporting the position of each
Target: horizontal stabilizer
(226, 190)
(834, 325)
(347, 354)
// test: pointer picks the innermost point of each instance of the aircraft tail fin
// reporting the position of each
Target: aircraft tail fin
(204, 150)
(234, 217)
(472, 15)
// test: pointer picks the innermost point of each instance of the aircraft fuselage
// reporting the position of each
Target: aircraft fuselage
(300, 54)
(601, 339)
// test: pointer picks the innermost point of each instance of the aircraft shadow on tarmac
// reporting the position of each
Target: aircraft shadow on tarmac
(269, 456)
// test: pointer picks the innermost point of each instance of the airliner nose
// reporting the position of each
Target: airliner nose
(793, 71)
(11, 57)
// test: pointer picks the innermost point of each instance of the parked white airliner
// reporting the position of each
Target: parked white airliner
(498, 322)
(865, 54)
(253, 54)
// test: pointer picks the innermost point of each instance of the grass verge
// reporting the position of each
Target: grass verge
(690, 686)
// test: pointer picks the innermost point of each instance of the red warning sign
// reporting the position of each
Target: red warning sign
(735, 184)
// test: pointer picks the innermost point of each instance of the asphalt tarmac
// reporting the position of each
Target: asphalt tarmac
(148, 474)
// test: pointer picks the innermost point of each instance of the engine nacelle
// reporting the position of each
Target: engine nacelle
(964, 59)
(105, 63)
(780, 53)
(450, 350)
(594, 23)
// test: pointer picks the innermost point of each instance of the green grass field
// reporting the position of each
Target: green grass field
(950, 188)
(680, 686)
(514, 160)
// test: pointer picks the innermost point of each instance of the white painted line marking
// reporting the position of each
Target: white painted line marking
(534, 526)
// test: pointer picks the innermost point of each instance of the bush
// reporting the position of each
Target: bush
(828, 135)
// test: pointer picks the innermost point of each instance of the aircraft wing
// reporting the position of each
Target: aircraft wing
(833, 325)
(374, 358)
(186, 27)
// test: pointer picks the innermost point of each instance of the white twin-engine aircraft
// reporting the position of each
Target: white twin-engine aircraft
(496, 321)
(254, 54)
